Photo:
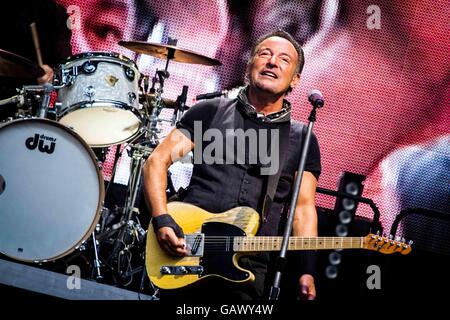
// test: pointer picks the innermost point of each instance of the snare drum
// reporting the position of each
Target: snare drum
(51, 190)
(99, 98)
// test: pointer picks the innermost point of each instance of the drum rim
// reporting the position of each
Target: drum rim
(101, 187)
(94, 103)
(99, 54)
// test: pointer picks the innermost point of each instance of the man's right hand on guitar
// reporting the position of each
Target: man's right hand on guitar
(170, 243)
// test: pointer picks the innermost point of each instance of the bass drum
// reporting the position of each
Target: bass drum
(51, 190)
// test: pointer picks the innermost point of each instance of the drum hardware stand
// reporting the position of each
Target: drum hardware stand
(152, 129)
(47, 89)
(97, 264)
(158, 81)
(19, 98)
(130, 230)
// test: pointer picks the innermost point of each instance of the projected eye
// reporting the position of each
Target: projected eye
(102, 31)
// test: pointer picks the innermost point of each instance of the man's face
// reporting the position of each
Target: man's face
(273, 67)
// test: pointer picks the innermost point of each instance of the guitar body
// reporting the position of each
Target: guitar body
(213, 240)
(216, 260)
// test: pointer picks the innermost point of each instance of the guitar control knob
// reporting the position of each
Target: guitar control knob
(183, 270)
(165, 270)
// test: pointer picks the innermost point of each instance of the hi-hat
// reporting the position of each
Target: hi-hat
(15, 66)
(169, 52)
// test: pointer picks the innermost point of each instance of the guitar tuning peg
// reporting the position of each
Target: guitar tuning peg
(391, 237)
(403, 240)
(410, 242)
(397, 238)
(378, 232)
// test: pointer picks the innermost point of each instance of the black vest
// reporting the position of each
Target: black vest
(219, 187)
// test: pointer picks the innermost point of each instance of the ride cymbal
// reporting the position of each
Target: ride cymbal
(14, 66)
(169, 52)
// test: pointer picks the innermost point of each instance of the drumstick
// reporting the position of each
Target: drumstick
(36, 43)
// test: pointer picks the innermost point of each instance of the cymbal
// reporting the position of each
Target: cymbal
(14, 66)
(165, 51)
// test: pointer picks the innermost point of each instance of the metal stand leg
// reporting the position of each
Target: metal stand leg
(97, 265)
(131, 230)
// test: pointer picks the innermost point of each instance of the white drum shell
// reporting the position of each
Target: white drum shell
(102, 106)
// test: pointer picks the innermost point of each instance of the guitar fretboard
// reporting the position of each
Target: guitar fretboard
(247, 244)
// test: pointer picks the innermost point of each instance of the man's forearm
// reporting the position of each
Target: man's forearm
(305, 222)
(305, 225)
(155, 184)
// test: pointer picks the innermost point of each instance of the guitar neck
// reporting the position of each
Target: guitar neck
(251, 244)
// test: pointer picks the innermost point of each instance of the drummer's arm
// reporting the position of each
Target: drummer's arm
(173, 147)
(47, 77)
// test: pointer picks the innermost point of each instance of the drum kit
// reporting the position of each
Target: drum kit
(51, 187)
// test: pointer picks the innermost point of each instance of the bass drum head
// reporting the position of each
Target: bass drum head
(52, 190)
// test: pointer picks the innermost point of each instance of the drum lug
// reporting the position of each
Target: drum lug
(129, 73)
(89, 91)
(70, 80)
(89, 67)
(131, 97)
(81, 247)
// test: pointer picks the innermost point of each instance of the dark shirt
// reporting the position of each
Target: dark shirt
(219, 187)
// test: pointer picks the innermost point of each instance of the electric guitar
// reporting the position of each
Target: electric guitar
(215, 242)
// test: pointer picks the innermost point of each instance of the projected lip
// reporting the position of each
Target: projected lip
(269, 74)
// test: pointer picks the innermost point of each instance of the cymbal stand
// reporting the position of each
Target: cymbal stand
(97, 263)
(159, 79)
(130, 230)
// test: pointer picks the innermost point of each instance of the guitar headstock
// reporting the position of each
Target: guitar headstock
(386, 245)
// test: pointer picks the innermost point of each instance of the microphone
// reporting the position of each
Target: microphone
(316, 98)
(211, 95)
(229, 93)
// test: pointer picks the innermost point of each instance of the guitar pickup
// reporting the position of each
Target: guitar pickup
(195, 243)
(181, 270)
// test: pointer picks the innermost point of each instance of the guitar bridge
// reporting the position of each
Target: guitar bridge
(181, 270)
(195, 244)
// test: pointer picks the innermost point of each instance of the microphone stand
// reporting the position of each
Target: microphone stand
(281, 259)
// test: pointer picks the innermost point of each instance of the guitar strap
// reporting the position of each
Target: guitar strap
(271, 183)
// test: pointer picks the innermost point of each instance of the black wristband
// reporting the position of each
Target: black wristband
(166, 220)
(308, 262)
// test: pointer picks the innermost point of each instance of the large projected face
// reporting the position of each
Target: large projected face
(386, 88)
(100, 24)
(197, 26)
